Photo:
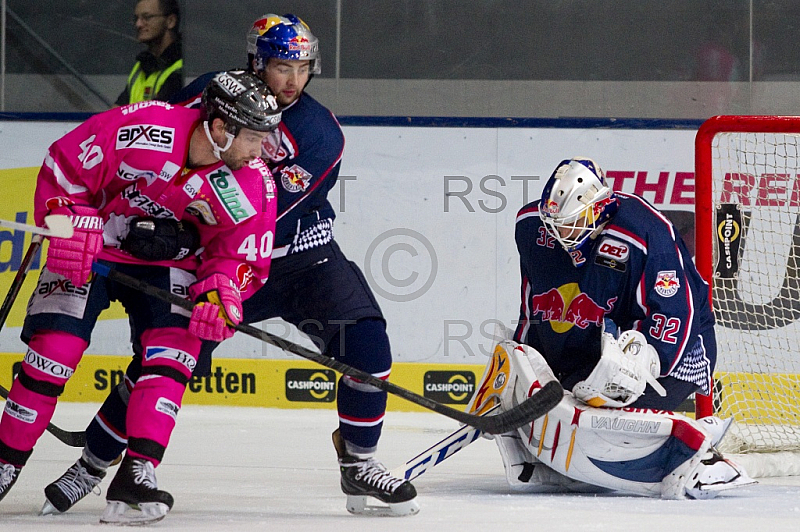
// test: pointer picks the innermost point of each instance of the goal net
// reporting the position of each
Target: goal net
(747, 209)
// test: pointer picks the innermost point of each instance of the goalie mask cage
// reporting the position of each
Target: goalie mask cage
(747, 209)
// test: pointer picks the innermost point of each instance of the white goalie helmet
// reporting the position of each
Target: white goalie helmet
(576, 201)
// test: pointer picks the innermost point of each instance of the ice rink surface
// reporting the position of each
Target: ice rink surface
(266, 469)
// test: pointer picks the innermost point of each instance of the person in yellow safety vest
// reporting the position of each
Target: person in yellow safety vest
(158, 72)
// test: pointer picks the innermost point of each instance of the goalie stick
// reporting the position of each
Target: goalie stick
(439, 451)
(58, 225)
(74, 439)
(534, 407)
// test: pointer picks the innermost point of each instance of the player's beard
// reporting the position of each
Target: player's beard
(233, 162)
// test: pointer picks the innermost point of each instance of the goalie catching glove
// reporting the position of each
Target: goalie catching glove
(625, 368)
(73, 257)
(219, 305)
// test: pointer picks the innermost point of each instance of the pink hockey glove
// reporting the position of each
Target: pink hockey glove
(219, 305)
(73, 257)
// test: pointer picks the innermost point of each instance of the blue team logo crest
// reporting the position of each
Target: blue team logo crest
(295, 178)
(667, 283)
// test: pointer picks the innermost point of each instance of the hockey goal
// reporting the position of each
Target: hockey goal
(747, 209)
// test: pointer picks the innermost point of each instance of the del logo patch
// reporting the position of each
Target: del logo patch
(667, 283)
(295, 178)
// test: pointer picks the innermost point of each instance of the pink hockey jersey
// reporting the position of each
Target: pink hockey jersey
(129, 162)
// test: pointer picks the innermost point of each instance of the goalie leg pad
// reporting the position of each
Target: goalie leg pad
(525, 473)
(628, 449)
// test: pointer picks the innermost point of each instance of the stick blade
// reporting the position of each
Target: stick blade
(59, 225)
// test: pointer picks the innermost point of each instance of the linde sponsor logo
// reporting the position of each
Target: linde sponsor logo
(19, 412)
(165, 406)
(45, 365)
(307, 385)
(625, 425)
(146, 137)
(231, 195)
(455, 387)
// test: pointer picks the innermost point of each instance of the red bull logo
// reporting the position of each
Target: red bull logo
(295, 178)
(263, 24)
(567, 306)
(667, 283)
(550, 207)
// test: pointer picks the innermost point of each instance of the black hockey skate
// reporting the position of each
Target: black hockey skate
(363, 478)
(80, 480)
(134, 487)
(8, 476)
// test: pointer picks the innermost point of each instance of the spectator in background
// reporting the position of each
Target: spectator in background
(158, 72)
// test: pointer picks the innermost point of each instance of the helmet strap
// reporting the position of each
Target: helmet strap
(216, 147)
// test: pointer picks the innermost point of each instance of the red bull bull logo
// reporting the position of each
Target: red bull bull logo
(263, 24)
(295, 178)
(550, 207)
(567, 306)
(667, 283)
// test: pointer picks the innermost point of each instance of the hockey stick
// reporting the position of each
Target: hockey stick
(74, 439)
(439, 452)
(58, 225)
(536, 406)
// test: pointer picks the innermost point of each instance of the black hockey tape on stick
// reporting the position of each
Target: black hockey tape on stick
(73, 439)
(534, 407)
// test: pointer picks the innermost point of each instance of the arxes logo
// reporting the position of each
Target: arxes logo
(311, 385)
(453, 387)
(146, 137)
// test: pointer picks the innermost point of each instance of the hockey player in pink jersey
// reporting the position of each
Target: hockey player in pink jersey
(173, 196)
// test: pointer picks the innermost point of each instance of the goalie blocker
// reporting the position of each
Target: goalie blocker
(577, 447)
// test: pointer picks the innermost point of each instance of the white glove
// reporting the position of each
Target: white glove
(625, 368)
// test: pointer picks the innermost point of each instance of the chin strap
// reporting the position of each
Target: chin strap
(217, 149)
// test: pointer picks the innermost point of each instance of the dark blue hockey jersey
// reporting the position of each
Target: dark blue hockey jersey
(639, 275)
(304, 162)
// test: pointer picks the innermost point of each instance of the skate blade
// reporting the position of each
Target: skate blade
(48, 509)
(360, 505)
(144, 513)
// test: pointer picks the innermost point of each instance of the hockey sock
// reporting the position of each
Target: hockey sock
(361, 407)
(156, 397)
(49, 362)
(106, 435)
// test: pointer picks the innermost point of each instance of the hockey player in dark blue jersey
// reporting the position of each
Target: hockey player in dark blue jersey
(613, 260)
(614, 309)
(311, 284)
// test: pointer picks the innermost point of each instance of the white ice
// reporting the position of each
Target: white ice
(268, 469)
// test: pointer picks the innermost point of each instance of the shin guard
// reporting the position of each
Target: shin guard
(49, 362)
(157, 395)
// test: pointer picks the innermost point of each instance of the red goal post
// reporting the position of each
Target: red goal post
(747, 246)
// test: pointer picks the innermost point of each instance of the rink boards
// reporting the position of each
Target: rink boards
(266, 383)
